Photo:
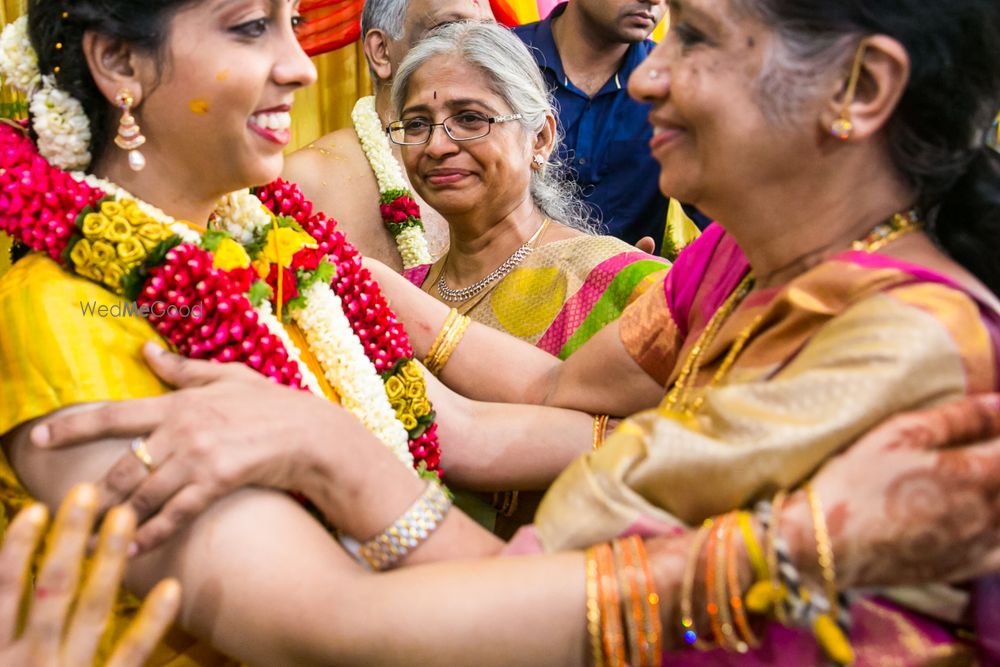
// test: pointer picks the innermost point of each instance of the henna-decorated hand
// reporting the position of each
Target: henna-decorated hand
(917, 500)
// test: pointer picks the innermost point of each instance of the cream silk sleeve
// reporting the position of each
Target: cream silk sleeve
(769, 429)
(56, 349)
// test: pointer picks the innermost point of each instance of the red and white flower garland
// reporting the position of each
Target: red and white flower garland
(98, 230)
(399, 211)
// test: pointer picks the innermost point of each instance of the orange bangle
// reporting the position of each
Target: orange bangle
(614, 640)
(653, 628)
(632, 608)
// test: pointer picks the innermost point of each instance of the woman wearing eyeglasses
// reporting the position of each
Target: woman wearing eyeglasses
(478, 133)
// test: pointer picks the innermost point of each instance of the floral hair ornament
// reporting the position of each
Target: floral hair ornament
(843, 127)
(57, 117)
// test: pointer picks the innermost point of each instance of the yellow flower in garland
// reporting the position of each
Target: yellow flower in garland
(113, 275)
(119, 230)
(408, 421)
(80, 255)
(230, 255)
(283, 243)
(111, 208)
(102, 252)
(395, 389)
(131, 250)
(94, 225)
(421, 408)
(411, 372)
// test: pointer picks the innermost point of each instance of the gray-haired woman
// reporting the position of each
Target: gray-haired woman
(478, 132)
(478, 135)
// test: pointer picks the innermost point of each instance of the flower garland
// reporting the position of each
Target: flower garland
(400, 213)
(57, 117)
(102, 233)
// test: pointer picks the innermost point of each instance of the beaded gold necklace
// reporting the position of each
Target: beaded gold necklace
(684, 400)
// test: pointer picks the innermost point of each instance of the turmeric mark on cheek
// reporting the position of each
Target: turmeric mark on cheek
(199, 107)
(222, 75)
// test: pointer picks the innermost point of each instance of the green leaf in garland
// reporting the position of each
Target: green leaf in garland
(326, 271)
(211, 239)
(390, 196)
(259, 292)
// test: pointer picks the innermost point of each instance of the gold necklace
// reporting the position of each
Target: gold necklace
(682, 401)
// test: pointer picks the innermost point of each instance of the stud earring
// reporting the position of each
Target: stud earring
(129, 137)
(842, 128)
(538, 161)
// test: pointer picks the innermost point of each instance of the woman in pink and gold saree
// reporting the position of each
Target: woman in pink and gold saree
(853, 276)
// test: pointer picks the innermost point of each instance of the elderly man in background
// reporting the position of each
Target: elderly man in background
(336, 171)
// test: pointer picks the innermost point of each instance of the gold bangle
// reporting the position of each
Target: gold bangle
(824, 550)
(448, 322)
(594, 609)
(446, 341)
(749, 639)
(689, 632)
(728, 640)
(772, 554)
(600, 427)
(653, 627)
(409, 531)
(505, 502)
(754, 551)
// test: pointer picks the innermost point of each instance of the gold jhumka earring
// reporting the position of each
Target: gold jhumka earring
(843, 127)
(129, 137)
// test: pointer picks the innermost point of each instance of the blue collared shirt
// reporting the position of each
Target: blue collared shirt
(606, 139)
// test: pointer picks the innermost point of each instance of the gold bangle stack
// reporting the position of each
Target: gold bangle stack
(623, 618)
(600, 428)
(505, 502)
(446, 342)
(726, 607)
(409, 531)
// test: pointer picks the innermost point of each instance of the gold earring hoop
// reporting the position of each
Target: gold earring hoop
(843, 127)
(129, 137)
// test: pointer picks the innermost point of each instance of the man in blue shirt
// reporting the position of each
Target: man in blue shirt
(587, 50)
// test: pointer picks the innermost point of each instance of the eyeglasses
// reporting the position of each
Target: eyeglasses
(464, 126)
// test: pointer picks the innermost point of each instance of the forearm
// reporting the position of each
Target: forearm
(503, 447)
(340, 479)
(518, 372)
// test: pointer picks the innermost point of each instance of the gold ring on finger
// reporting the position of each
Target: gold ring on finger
(138, 447)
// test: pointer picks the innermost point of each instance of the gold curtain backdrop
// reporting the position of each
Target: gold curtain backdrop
(318, 110)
